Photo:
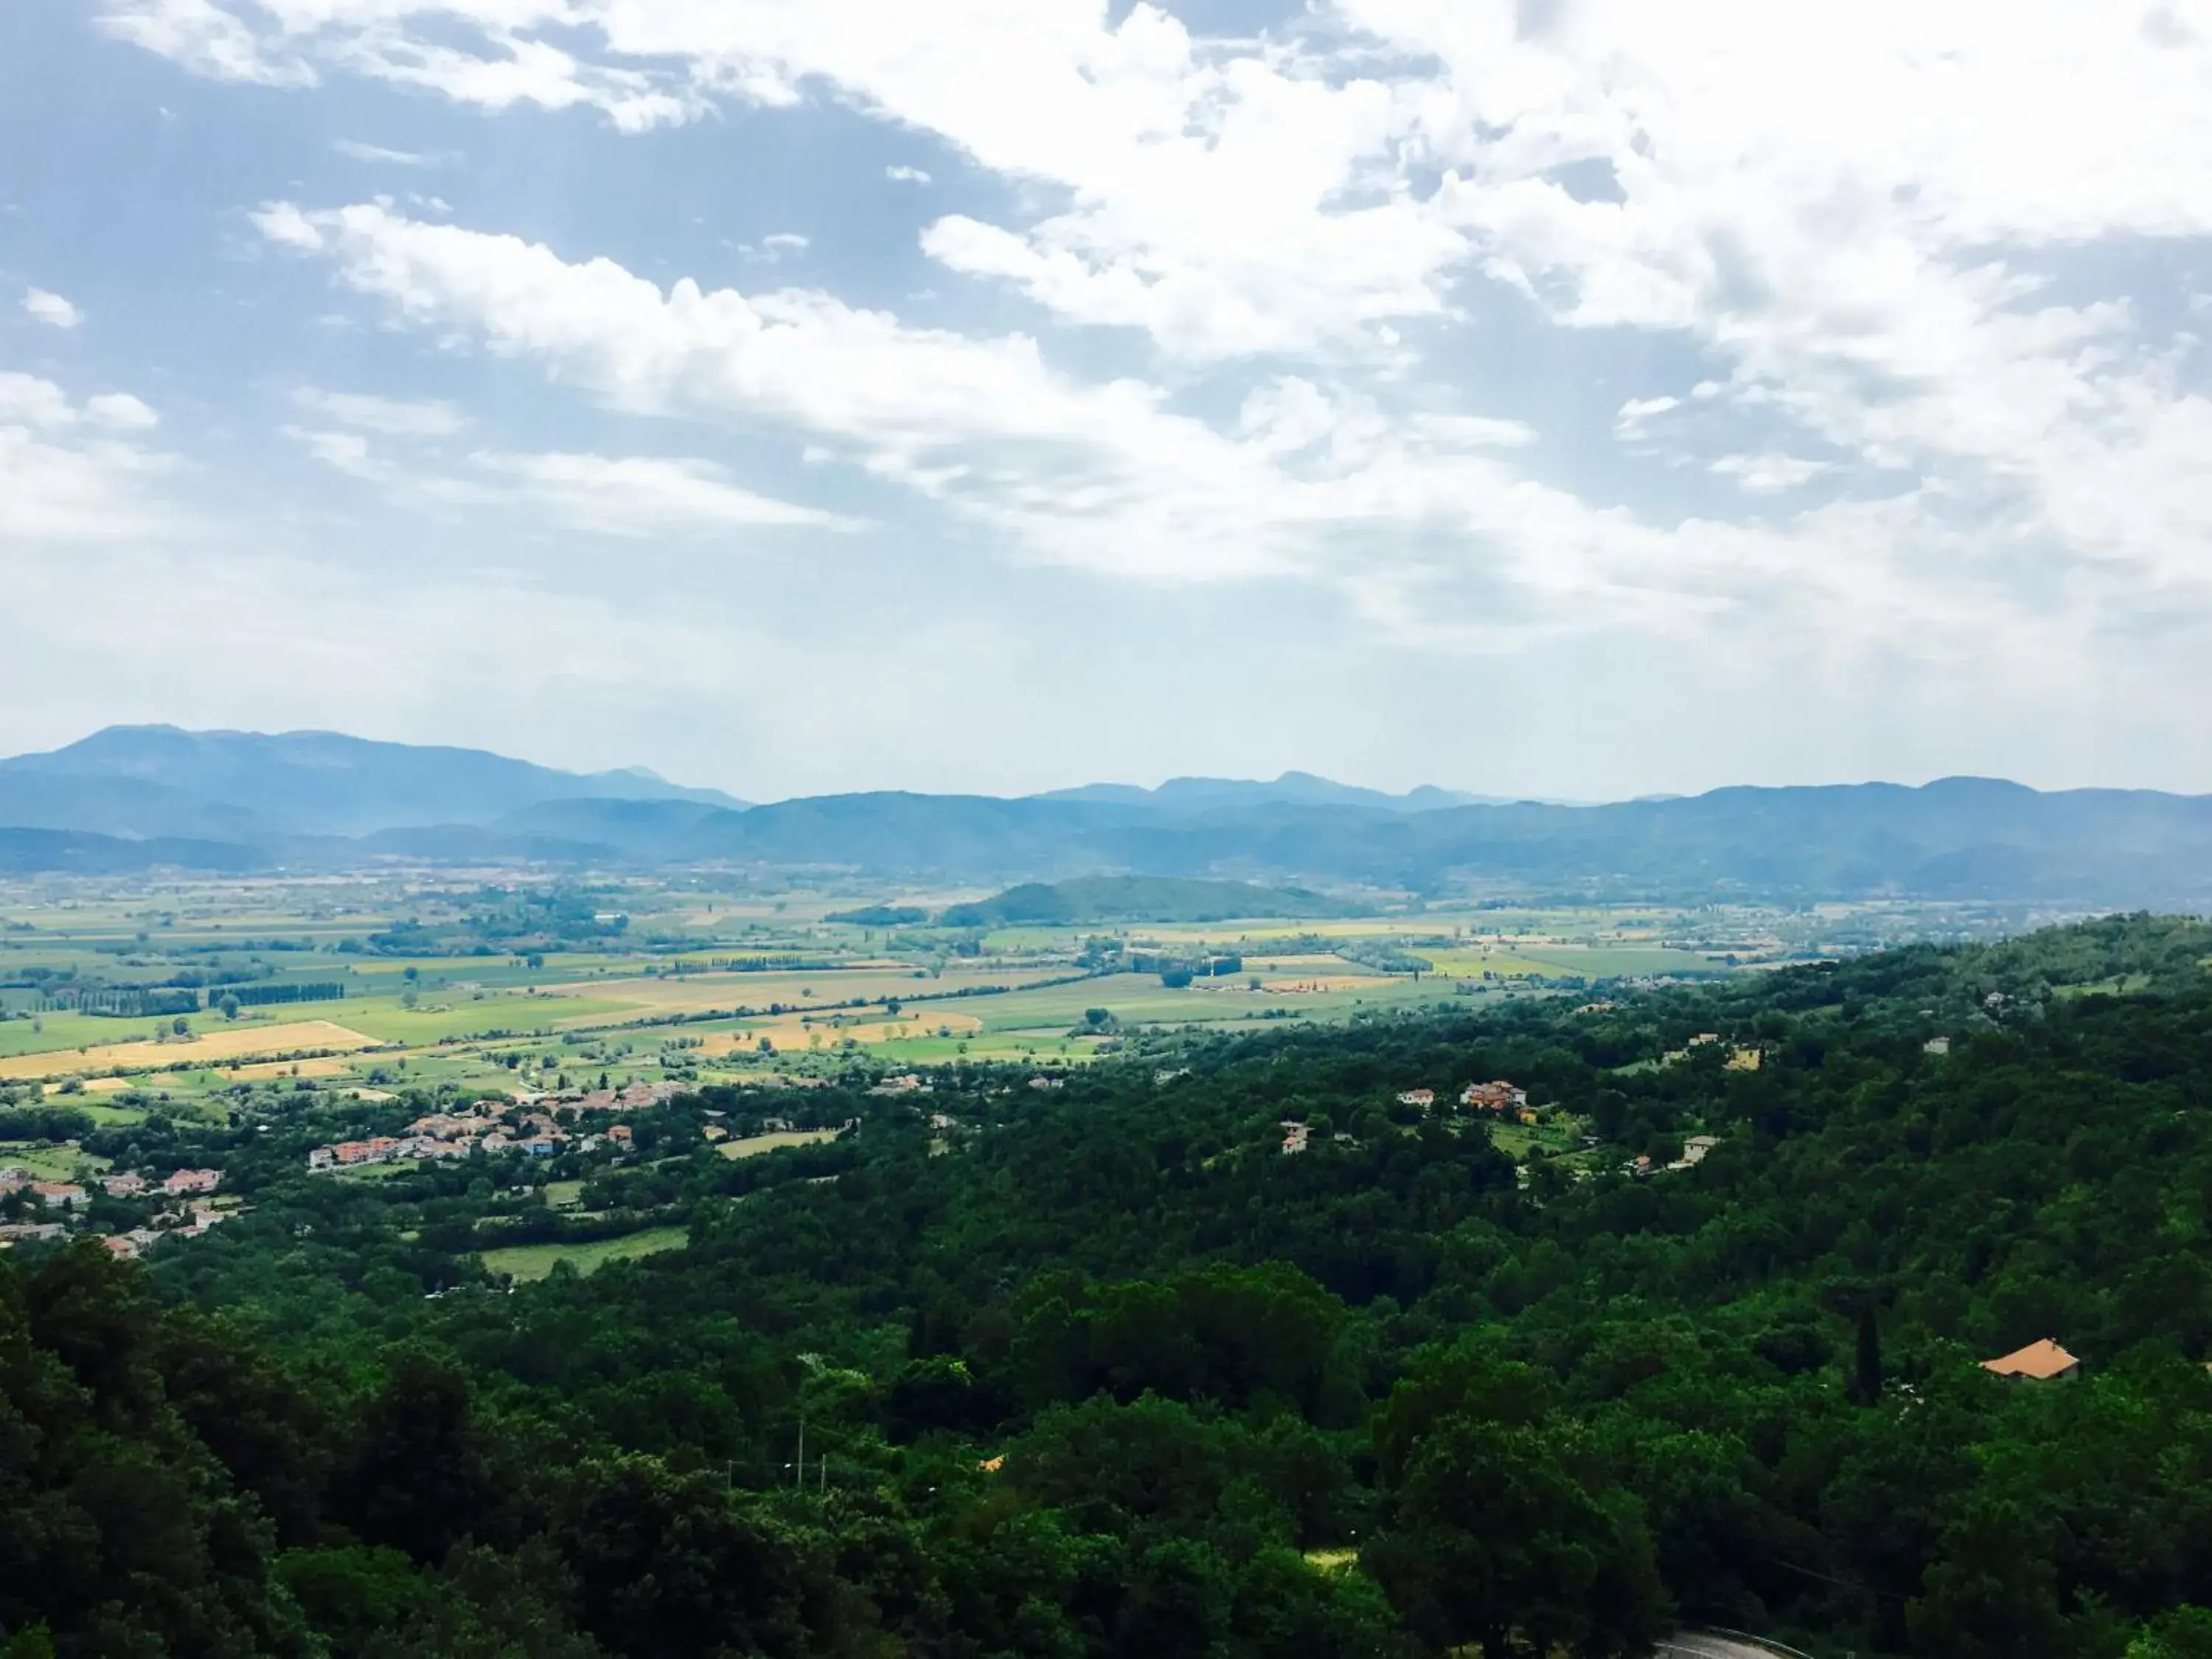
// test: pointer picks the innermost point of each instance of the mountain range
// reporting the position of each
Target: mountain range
(136, 796)
(148, 780)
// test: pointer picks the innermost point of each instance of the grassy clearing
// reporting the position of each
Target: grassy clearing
(530, 1261)
(48, 1162)
(754, 1146)
(459, 1015)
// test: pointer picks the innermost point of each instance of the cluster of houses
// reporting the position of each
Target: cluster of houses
(631, 1098)
(189, 1219)
(1504, 1099)
(484, 1128)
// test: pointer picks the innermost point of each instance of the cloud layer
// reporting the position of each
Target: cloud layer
(1802, 339)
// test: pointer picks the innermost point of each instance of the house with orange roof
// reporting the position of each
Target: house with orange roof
(2041, 1361)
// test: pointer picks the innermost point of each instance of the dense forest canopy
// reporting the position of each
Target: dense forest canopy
(1101, 1369)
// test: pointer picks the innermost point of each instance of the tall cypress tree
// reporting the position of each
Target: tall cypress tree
(1867, 1371)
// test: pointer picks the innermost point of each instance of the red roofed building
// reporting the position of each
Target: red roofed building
(2043, 1361)
(1500, 1096)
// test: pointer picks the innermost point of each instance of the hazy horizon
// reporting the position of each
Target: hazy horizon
(1555, 398)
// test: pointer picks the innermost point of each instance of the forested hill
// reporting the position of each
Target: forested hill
(1102, 1369)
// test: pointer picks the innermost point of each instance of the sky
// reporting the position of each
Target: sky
(1572, 397)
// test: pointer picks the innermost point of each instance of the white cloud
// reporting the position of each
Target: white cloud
(121, 411)
(1637, 412)
(1769, 475)
(1417, 519)
(419, 417)
(52, 309)
(354, 149)
(639, 496)
(906, 175)
(1336, 203)
(348, 452)
(615, 496)
(208, 39)
(62, 484)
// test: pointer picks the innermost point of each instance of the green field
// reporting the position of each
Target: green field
(48, 1162)
(528, 1261)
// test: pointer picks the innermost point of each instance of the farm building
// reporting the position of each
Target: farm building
(2042, 1361)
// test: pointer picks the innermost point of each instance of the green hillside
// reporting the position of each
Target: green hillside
(1096, 1368)
(1100, 899)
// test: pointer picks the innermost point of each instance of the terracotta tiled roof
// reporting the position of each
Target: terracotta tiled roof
(2040, 1360)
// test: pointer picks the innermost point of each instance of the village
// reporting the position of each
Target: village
(534, 1125)
(179, 1204)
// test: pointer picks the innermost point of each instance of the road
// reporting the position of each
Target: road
(1693, 1645)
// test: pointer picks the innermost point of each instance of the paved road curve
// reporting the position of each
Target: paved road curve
(1693, 1644)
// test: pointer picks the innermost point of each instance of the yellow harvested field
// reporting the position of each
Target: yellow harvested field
(327, 1066)
(754, 1146)
(208, 1049)
(100, 1085)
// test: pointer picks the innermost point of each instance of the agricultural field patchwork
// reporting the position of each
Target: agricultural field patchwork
(511, 984)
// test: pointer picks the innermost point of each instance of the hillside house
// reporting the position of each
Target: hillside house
(1295, 1136)
(59, 1195)
(1423, 1099)
(1498, 1097)
(2041, 1361)
(13, 1179)
(181, 1182)
(124, 1186)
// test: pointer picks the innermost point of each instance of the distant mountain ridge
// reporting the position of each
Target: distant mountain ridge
(1291, 788)
(137, 796)
(151, 780)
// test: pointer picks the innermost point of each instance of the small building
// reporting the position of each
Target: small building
(1295, 1136)
(60, 1194)
(121, 1244)
(1937, 1045)
(124, 1186)
(181, 1182)
(322, 1158)
(2042, 1361)
(13, 1179)
(1422, 1098)
(1498, 1097)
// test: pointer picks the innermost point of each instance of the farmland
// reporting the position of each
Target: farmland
(506, 982)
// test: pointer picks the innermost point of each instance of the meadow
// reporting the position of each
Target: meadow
(530, 1261)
